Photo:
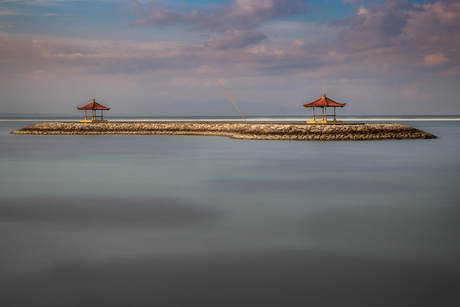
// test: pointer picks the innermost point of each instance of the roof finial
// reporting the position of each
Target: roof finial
(324, 94)
(94, 100)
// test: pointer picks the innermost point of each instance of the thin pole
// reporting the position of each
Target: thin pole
(231, 100)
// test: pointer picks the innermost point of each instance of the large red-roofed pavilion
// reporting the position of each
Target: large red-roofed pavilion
(93, 106)
(324, 103)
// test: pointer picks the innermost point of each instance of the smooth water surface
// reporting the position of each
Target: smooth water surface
(212, 221)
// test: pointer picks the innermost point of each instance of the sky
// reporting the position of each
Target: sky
(162, 58)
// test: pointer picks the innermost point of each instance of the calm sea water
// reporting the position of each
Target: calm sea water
(211, 221)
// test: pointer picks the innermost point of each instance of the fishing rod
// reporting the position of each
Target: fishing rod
(231, 100)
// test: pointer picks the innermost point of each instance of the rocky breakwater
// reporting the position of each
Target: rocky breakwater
(250, 131)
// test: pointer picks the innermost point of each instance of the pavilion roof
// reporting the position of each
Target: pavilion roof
(93, 106)
(324, 102)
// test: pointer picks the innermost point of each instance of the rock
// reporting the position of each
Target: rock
(254, 131)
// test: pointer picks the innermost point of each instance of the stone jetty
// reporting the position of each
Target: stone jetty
(246, 130)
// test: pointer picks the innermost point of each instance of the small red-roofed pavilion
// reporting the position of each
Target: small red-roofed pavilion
(324, 103)
(94, 107)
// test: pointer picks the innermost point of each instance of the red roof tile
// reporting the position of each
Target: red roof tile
(93, 106)
(324, 102)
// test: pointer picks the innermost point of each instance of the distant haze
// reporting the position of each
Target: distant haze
(164, 57)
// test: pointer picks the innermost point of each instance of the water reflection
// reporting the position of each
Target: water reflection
(209, 221)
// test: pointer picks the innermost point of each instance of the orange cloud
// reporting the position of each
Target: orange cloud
(435, 59)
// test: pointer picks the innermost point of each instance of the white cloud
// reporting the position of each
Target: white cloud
(362, 10)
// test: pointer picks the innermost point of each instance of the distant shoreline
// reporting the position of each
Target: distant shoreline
(237, 130)
(250, 118)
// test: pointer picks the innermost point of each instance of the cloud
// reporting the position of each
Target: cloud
(398, 22)
(265, 9)
(382, 50)
(16, 54)
(435, 59)
(403, 34)
(156, 14)
(234, 39)
(204, 69)
(105, 57)
(43, 2)
(382, 39)
(376, 26)
(50, 48)
(433, 27)
(37, 75)
(362, 10)
(8, 13)
(240, 15)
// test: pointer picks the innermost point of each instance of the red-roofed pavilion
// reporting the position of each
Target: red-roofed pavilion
(93, 106)
(324, 103)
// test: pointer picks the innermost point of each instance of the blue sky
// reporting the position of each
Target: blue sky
(163, 57)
